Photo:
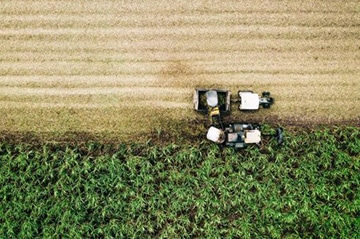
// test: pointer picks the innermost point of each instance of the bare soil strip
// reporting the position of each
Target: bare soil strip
(130, 67)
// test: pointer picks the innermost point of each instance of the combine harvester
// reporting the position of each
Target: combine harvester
(216, 102)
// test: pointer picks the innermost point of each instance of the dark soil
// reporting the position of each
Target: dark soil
(180, 132)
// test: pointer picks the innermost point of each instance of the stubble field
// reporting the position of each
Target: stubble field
(127, 67)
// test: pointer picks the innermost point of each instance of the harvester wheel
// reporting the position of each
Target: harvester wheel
(279, 135)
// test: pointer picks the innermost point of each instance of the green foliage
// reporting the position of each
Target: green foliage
(309, 188)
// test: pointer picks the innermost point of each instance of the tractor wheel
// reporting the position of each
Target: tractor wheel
(266, 105)
(266, 94)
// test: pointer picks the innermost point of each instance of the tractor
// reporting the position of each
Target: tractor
(252, 101)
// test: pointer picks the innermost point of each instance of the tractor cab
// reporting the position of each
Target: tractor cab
(252, 101)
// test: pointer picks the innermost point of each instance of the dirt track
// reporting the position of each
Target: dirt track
(130, 66)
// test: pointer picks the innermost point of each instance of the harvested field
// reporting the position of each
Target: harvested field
(120, 67)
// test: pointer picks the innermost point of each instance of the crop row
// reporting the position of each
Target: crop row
(309, 188)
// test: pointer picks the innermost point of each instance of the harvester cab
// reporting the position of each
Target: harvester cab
(215, 102)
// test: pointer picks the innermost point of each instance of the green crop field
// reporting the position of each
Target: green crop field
(309, 188)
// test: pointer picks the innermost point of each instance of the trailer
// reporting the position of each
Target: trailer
(201, 104)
